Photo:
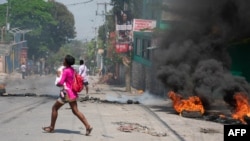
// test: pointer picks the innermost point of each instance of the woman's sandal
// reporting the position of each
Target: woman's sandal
(88, 131)
(48, 129)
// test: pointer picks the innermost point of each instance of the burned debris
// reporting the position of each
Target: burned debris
(192, 107)
(136, 127)
(95, 99)
(208, 130)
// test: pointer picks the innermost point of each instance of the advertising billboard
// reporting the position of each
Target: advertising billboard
(143, 25)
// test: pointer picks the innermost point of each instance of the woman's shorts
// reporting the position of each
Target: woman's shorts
(86, 83)
(63, 98)
(64, 101)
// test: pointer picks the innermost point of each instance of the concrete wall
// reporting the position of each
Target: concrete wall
(121, 74)
(138, 76)
(144, 78)
(2, 64)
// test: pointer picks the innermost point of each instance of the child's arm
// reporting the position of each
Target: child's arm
(58, 77)
(62, 78)
(57, 80)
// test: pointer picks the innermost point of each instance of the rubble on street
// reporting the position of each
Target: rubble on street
(114, 114)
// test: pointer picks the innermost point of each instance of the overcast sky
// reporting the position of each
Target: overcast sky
(85, 16)
(84, 12)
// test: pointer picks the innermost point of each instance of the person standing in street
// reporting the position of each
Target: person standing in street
(67, 79)
(83, 71)
(23, 69)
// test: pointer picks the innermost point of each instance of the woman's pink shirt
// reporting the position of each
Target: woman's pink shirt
(68, 78)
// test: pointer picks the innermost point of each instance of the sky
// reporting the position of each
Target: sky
(84, 12)
(86, 20)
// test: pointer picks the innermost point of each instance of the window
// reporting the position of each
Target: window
(145, 50)
(142, 48)
(138, 47)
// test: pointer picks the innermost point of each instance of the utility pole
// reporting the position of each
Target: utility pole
(6, 27)
(127, 58)
(104, 13)
(7, 15)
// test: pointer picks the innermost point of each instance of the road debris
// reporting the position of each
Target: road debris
(208, 130)
(136, 127)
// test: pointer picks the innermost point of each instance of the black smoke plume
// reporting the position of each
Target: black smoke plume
(193, 56)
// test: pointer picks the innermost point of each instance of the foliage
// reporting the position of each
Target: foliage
(64, 30)
(51, 24)
(30, 14)
(3, 15)
(57, 57)
(90, 52)
(78, 49)
(135, 7)
(119, 4)
(101, 33)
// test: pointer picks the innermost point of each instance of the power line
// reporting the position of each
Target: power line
(105, 8)
(73, 4)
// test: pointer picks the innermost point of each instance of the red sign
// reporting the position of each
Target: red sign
(122, 48)
(143, 25)
(23, 55)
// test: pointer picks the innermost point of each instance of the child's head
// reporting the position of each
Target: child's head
(59, 71)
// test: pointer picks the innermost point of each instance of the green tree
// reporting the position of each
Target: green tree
(3, 9)
(126, 58)
(90, 52)
(108, 27)
(79, 49)
(32, 15)
(51, 23)
(119, 5)
(64, 30)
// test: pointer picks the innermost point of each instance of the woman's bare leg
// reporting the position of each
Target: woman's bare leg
(87, 89)
(79, 114)
(54, 113)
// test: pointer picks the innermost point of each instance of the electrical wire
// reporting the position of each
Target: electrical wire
(73, 4)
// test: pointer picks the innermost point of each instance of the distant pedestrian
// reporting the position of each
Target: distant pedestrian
(23, 69)
(100, 72)
(83, 71)
(67, 78)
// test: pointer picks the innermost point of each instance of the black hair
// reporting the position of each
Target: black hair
(81, 62)
(69, 60)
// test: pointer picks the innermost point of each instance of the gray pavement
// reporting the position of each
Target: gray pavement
(112, 118)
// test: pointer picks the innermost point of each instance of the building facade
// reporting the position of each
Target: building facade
(144, 72)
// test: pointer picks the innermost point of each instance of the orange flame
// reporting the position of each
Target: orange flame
(222, 116)
(242, 107)
(193, 103)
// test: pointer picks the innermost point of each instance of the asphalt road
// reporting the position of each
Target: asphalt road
(22, 117)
